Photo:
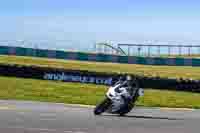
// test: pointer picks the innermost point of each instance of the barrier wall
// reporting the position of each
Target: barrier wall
(58, 74)
(19, 51)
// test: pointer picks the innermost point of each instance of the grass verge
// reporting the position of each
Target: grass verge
(76, 93)
(147, 70)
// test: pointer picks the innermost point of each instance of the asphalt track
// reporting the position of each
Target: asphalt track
(35, 117)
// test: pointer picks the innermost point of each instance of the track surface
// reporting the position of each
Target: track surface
(34, 117)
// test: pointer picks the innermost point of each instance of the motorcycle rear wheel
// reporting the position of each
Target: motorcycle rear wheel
(127, 110)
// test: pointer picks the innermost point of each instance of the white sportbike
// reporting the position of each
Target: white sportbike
(120, 98)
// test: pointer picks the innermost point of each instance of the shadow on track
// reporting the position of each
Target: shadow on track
(143, 117)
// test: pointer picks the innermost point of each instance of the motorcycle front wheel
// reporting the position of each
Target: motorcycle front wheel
(102, 107)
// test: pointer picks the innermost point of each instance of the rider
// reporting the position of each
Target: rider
(130, 84)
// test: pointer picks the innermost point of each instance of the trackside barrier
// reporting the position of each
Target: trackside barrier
(58, 74)
(19, 51)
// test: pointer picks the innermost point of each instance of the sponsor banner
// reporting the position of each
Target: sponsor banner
(51, 54)
(92, 57)
(4, 50)
(150, 61)
(188, 62)
(132, 60)
(141, 60)
(113, 58)
(72, 56)
(195, 62)
(12, 51)
(171, 61)
(78, 78)
(179, 61)
(64, 75)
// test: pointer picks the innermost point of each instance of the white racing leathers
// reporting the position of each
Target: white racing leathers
(119, 95)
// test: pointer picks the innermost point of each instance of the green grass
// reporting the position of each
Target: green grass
(147, 70)
(76, 93)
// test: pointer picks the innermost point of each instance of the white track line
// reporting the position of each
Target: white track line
(45, 130)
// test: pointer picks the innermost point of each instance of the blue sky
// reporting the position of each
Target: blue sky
(86, 21)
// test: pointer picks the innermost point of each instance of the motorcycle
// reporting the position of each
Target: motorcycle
(120, 98)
